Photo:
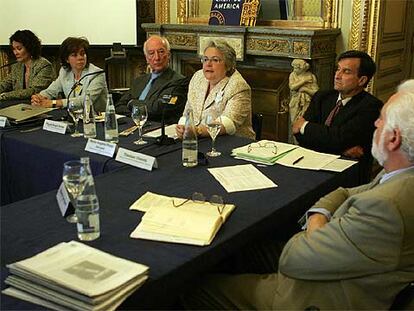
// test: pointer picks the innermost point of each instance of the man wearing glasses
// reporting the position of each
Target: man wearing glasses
(357, 252)
(162, 85)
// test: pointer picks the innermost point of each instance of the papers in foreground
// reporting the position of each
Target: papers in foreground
(74, 276)
(241, 178)
(292, 156)
(192, 222)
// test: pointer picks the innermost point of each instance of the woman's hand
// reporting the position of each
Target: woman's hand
(179, 130)
(39, 100)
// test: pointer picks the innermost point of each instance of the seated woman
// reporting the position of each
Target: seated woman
(219, 86)
(31, 73)
(76, 77)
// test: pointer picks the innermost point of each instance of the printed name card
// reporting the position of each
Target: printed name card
(55, 126)
(136, 159)
(63, 201)
(100, 147)
(3, 121)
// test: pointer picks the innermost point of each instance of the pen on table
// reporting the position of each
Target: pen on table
(297, 160)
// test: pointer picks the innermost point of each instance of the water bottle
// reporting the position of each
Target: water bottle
(190, 145)
(89, 125)
(87, 207)
(111, 124)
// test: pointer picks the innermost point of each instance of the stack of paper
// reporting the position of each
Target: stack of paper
(192, 222)
(264, 152)
(73, 276)
(292, 156)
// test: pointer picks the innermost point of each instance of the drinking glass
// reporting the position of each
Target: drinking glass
(74, 178)
(139, 115)
(213, 123)
(75, 110)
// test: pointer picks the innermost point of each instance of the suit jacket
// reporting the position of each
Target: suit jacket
(168, 83)
(353, 125)
(361, 259)
(235, 100)
(41, 75)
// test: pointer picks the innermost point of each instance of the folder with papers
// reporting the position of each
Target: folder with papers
(23, 112)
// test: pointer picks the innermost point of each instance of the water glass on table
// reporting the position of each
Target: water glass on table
(139, 115)
(74, 179)
(213, 123)
(75, 110)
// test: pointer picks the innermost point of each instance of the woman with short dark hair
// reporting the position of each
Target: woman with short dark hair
(31, 73)
(76, 71)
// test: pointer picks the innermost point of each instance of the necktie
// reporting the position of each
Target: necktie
(147, 88)
(333, 113)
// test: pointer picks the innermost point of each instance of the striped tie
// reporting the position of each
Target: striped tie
(333, 113)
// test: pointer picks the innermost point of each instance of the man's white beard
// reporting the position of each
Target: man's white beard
(378, 151)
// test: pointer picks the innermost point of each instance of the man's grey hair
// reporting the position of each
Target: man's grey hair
(406, 86)
(164, 41)
(228, 52)
(400, 114)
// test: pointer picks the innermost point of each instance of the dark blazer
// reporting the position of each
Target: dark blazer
(352, 126)
(168, 83)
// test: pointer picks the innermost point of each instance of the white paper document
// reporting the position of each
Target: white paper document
(169, 131)
(339, 165)
(241, 178)
(307, 159)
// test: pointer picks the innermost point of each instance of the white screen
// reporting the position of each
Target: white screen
(102, 22)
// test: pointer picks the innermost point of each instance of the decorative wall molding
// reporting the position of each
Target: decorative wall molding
(162, 11)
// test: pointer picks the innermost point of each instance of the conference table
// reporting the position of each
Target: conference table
(31, 159)
(32, 225)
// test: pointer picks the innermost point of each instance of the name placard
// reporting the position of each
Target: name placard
(55, 126)
(3, 121)
(100, 147)
(63, 200)
(136, 159)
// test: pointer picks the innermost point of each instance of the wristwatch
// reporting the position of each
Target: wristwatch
(54, 103)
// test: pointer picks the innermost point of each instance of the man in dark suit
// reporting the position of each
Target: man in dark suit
(357, 251)
(341, 121)
(163, 85)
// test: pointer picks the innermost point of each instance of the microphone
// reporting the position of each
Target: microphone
(167, 99)
(8, 64)
(78, 82)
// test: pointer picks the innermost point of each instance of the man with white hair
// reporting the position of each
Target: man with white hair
(358, 248)
(161, 84)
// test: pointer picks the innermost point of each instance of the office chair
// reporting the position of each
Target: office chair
(404, 299)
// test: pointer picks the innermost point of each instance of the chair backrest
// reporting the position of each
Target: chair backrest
(257, 121)
(404, 299)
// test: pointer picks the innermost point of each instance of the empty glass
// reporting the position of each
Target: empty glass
(139, 115)
(74, 178)
(213, 123)
(75, 110)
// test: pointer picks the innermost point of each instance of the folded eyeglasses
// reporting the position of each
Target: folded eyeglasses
(264, 145)
(198, 197)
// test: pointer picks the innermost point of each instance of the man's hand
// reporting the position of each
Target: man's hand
(297, 125)
(355, 152)
(315, 221)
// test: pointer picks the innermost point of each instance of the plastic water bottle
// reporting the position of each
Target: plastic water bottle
(111, 124)
(190, 144)
(89, 125)
(87, 208)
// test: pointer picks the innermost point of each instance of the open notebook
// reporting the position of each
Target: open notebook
(23, 112)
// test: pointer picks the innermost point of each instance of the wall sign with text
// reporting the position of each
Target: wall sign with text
(234, 12)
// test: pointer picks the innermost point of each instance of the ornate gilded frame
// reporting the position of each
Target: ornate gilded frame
(187, 9)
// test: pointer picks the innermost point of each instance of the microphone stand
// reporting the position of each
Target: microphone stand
(164, 140)
(78, 83)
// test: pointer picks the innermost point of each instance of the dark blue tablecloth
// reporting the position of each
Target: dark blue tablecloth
(33, 225)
